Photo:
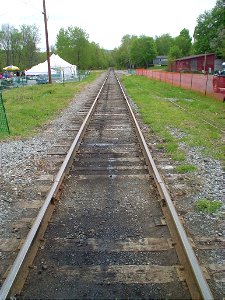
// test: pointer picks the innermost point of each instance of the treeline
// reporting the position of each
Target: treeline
(209, 37)
(73, 45)
(20, 46)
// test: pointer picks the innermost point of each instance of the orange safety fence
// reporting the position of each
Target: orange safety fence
(196, 82)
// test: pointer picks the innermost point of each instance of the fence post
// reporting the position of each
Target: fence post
(191, 80)
(206, 84)
(4, 127)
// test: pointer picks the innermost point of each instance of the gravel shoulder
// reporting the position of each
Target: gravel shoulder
(26, 174)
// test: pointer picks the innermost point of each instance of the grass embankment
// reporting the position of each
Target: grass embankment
(178, 115)
(28, 108)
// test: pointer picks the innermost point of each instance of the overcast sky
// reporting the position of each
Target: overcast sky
(105, 21)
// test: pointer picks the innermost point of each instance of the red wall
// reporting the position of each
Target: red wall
(187, 64)
(196, 82)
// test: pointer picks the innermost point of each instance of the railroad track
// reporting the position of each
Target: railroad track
(115, 232)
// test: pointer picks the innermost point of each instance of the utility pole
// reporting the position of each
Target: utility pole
(47, 44)
(205, 64)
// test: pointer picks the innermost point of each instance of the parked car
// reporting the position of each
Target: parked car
(41, 79)
(219, 82)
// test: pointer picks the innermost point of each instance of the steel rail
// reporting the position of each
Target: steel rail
(10, 281)
(201, 283)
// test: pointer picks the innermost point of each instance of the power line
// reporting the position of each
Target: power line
(23, 3)
(31, 5)
(10, 11)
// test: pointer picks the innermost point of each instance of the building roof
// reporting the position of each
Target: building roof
(194, 56)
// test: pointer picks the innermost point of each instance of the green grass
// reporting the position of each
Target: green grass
(28, 108)
(208, 206)
(185, 169)
(157, 68)
(156, 100)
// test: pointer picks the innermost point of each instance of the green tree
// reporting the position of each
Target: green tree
(164, 43)
(5, 42)
(143, 51)
(16, 46)
(72, 43)
(19, 46)
(124, 59)
(80, 45)
(2, 60)
(209, 34)
(218, 44)
(63, 45)
(98, 57)
(184, 42)
(175, 52)
(30, 37)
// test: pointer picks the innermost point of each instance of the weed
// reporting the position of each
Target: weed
(160, 146)
(208, 206)
(179, 155)
(185, 169)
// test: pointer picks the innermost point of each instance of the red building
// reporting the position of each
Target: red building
(203, 63)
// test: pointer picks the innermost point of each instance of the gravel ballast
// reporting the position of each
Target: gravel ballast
(24, 161)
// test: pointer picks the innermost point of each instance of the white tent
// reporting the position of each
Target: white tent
(58, 66)
(57, 63)
(40, 69)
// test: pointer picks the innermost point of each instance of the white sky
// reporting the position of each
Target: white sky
(106, 22)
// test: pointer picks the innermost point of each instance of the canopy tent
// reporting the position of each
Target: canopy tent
(40, 69)
(66, 69)
(58, 66)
